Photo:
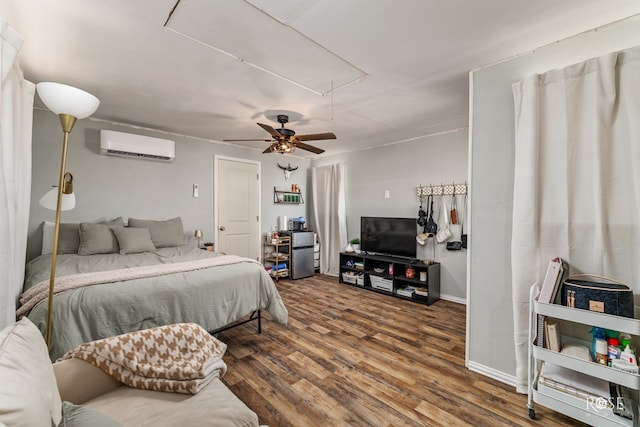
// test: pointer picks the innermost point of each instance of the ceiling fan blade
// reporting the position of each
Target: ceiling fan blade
(238, 140)
(267, 150)
(308, 147)
(316, 136)
(274, 133)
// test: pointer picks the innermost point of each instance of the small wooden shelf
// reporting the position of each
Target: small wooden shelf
(277, 252)
(287, 197)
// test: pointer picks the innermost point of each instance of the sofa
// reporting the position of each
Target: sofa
(34, 392)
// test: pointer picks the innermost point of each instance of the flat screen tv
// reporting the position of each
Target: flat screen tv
(388, 236)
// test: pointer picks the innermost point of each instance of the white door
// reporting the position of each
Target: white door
(237, 207)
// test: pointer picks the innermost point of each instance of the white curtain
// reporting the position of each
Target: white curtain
(329, 214)
(16, 115)
(577, 178)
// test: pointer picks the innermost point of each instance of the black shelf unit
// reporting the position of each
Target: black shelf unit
(377, 276)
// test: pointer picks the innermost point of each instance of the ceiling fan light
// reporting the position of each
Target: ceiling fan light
(283, 147)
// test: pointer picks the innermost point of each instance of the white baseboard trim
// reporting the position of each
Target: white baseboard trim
(451, 298)
(492, 373)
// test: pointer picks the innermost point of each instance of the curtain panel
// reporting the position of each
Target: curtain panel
(329, 214)
(577, 178)
(16, 116)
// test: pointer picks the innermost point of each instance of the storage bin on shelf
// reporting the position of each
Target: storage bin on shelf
(354, 278)
(381, 283)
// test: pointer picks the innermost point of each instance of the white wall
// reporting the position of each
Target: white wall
(108, 186)
(400, 168)
(490, 316)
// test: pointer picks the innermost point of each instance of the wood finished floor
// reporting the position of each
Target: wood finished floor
(351, 357)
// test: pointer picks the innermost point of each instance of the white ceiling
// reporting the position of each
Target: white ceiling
(374, 72)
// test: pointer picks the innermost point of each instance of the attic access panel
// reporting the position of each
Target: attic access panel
(250, 35)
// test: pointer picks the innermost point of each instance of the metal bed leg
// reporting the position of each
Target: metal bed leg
(255, 315)
(259, 322)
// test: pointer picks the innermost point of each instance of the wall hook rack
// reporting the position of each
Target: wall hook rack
(442, 190)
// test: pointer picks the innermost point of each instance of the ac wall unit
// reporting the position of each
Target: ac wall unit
(123, 144)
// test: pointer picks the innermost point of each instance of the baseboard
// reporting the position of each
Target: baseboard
(451, 298)
(492, 373)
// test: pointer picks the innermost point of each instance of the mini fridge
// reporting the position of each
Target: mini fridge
(302, 254)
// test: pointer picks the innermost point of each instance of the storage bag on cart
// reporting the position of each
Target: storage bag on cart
(611, 298)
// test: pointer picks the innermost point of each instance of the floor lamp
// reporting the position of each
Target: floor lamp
(70, 104)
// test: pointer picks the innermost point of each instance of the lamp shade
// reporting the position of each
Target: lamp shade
(198, 233)
(63, 99)
(50, 200)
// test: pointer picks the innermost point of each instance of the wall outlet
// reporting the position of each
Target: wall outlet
(195, 190)
(387, 194)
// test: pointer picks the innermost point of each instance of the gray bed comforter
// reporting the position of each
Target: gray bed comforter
(211, 297)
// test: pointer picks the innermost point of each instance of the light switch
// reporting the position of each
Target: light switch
(195, 190)
(387, 194)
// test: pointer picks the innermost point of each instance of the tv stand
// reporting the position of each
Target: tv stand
(391, 275)
(390, 256)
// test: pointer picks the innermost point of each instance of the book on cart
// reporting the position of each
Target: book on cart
(556, 271)
(552, 332)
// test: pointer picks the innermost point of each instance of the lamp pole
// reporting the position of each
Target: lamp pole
(67, 121)
(70, 104)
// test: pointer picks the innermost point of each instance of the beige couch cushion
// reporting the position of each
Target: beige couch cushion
(28, 391)
(79, 381)
(215, 405)
(81, 416)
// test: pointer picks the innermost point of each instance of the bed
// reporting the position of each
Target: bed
(108, 293)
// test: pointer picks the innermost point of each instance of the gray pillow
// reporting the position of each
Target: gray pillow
(165, 233)
(133, 240)
(97, 239)
(68, 236)
(81, 416)
(116, 222)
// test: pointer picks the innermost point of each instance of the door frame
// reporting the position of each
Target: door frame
(216, 180)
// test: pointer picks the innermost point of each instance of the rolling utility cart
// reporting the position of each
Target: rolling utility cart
(574, 404)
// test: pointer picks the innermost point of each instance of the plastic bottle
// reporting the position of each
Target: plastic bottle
(598, 334)
(601, 351)
(613, 351)
(628, 356)
(625, 340)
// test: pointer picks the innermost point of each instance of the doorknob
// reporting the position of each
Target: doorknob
(222, 228)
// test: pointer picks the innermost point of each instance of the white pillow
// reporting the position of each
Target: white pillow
(28, 390)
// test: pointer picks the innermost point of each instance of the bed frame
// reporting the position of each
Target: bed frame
(255, 315)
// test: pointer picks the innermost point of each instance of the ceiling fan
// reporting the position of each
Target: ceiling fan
(286, 141)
